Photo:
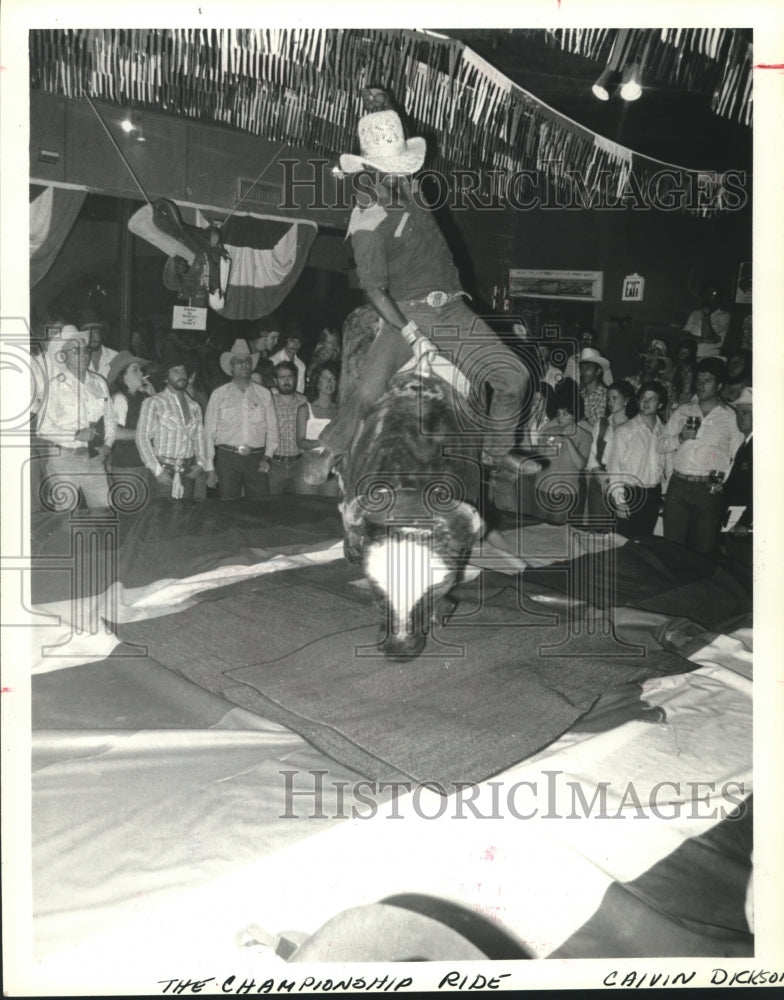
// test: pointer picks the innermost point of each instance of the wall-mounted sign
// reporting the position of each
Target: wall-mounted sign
(633, 288)
(189, 318)
(585, 286)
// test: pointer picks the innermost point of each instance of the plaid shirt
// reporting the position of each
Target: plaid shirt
(594, 403)
(287, 407)
(163, 432)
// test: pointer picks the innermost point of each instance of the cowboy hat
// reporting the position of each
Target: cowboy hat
(745, 398)
(54, 347)
(383, 146)
(658, 349)
(239, 349)
(593, 356)
(120, 362)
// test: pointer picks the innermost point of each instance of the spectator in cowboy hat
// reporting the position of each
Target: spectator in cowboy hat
(406, 270)
(587, 338)
(240, 429)
(170, 435)
(593, 392)
(655, 365)
(76, 414)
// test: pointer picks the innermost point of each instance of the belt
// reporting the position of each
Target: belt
(691, 479)
(286, 458)
(77, 448)
(436, 299)
(178, 464)
(243, 449)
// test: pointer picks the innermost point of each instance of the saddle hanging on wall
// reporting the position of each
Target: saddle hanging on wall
(242, 269)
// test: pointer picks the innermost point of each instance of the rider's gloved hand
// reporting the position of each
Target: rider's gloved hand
(424, 350)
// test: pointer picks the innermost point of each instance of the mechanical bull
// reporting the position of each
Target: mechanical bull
(409, 509)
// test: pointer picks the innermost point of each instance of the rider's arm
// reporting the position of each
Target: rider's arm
(386, 307)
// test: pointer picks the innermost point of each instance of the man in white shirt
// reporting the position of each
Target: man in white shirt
(240, 429)
(701, 436)
(708, 325)
(75, 414)
(290, 352)
(100, 355)
(634, 462)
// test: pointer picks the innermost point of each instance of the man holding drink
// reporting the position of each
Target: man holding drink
(701, 437)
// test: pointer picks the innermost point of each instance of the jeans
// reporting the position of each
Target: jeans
(467, 341)
(68, 475)
(285, 475)
(692, 515)
(240, 472)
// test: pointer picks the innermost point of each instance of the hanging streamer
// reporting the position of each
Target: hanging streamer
(302, 86)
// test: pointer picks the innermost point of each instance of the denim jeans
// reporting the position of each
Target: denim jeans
(464, 339)
(692, 515)
(68, 475)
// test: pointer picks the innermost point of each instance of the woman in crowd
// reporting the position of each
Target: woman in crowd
(327, 349)
(540, 412)
(567, 442)
(682, 384)
(621, 407)
(313, 417)
(128, 388)
(635, 468)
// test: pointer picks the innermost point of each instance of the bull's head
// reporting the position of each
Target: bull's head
(410, 563)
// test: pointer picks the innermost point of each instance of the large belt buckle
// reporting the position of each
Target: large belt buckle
(243, 450)
(437, 299)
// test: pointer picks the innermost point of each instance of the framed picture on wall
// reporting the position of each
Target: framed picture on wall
(743, 287)
(583, 286)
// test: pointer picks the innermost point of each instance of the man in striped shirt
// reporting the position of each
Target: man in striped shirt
(170, 435)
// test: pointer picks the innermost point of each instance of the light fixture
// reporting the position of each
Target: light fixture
(631, 88)
(606, 83)
(132, 125)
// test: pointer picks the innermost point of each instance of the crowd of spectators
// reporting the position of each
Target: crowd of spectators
(654, 451)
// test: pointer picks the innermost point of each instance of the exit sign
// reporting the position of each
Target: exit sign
(633, 288)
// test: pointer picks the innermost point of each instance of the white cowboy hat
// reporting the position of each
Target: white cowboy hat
(239, 349)
(745, 398)
(54, 347)
(657, 349)
(383, 146)
(589, 354)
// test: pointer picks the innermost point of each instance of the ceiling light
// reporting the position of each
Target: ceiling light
(631, 87)
(605, 84)
(132, 125)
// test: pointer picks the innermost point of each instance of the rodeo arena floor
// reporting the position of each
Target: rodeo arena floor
(231, 788)
(226, 775)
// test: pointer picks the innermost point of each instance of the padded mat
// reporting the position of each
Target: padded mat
(501, 679)
(177, 540)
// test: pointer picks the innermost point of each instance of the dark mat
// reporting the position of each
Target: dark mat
(500, 680)
(656, 575)
(690, 903)
(174, 540)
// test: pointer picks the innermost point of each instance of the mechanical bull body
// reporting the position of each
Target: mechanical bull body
(409, 509)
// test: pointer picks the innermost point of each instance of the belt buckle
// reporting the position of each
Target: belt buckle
(243, 450)
(437, 299)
